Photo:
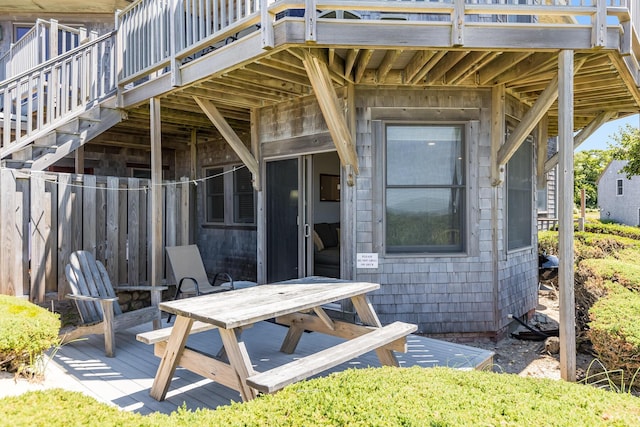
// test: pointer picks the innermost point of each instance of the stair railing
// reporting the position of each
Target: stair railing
(45, 40)
(35, 102)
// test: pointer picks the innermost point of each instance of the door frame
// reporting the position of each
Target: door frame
(305, 215)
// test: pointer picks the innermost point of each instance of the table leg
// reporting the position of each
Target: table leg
(369, 317)
(239, 361)
(292, 339)
(171, 357)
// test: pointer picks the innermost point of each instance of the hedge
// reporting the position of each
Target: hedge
(364, 397)
(26, 332)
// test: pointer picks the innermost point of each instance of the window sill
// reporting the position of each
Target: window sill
(229, 226)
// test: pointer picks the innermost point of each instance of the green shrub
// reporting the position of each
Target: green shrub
(614, 329)
(600, 227)
(586, 245)
(366, 397)
(26, 332)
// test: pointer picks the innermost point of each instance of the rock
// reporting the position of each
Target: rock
(552, 345)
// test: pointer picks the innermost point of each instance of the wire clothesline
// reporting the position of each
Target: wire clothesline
(144, 188)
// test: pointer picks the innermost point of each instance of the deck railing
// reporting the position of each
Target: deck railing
(35, 102)
(45, 40)
(149, 49)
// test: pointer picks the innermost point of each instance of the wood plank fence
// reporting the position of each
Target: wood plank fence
(44, 217)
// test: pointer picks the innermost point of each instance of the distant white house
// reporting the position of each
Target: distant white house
(618, 196)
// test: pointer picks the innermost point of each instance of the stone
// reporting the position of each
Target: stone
(552, 345)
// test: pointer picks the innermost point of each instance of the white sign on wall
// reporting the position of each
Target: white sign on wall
(367, 260)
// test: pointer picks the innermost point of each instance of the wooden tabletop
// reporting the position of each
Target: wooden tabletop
(250, 305)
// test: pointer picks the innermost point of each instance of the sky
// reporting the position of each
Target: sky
(600, 139)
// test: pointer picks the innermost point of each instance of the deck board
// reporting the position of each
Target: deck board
(126, 379)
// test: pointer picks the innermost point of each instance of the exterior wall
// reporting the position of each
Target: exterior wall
(224, 248)
(457, 294)
(624, 209)
(117, 161)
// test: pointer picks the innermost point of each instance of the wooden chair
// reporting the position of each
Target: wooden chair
(190, 275)
(97, 302)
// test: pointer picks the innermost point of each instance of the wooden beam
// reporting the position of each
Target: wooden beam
(363, 61)
(542, 143)
(256, 147)
(565, 223)
(351, 59)
(229, 135)
(438, 72)
(497, 132)
(157, 252)
(504, 62)
(416, 63)
(329, 105)
(420, 75)
(387, 63)
(529, 122)
(585, 133)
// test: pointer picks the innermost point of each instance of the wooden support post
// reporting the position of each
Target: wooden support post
(79, 159)
(497, 132)
(565, 225)
(266, 25)
(156, 193)
(310, 21)
(542, 144)
(256, 149)
(193, 154)
(457, 24)
(599, 26)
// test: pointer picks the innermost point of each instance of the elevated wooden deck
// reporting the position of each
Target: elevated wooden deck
(125, 380)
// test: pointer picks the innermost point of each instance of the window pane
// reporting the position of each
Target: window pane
(425, 189)
(519, 197)
(424, 220)
(243, 210)
(433, 154)
(214, 206)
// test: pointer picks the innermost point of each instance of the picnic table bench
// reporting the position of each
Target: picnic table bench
(295, 305)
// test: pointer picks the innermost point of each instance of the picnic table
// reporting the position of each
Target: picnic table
(298, 305)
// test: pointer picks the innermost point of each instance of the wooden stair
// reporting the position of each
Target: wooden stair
(66, 138)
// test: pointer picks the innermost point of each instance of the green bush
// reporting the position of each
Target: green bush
(614, 330)
(26, 332)
(366, 397)
(600, 227)
(586, 245)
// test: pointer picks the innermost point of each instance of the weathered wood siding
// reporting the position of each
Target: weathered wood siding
(224, 248)
(47, 216)
(443, 294)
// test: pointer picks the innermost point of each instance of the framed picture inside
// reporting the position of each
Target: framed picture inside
(329, 188)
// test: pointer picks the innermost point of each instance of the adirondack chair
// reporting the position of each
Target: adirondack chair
(97, 302)
(190, 275)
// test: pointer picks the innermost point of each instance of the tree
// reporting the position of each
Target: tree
(626, 146)
(588, 166)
